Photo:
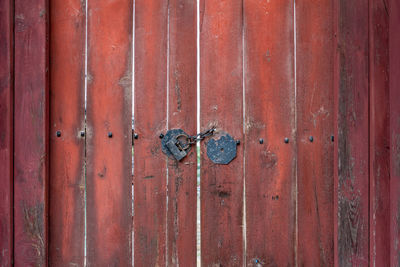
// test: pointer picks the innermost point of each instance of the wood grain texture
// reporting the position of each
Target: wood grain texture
(394, 84)
(109, 111)
(6, 136)
(352, 131)
(182, 176)
(270, 115)
(31, 131)
(221, 100)
(314, 107)
(150, 177)
(379, 131)
(67, 115)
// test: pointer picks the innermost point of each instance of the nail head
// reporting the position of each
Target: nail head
(286, 140)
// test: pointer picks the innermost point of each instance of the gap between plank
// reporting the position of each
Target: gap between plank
(198, 206)
(85, 169)
(295, 131)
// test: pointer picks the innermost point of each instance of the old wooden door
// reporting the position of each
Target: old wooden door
(308, 91)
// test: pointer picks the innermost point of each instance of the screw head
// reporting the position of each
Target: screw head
(286, 140)
(311, 138)
(261, 141)
(237, 142)
(58, 133)
(135, 135)
(82, 133)
(110, 134)
(161, 136)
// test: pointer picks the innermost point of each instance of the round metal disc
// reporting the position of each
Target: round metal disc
(221, 150)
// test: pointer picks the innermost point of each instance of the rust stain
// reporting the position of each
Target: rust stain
(178, 91)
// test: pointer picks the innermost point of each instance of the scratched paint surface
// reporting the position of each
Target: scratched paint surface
(394, 84)
(221, 78)
(352, 142)
(151, 31)
(31, 131)
(182, 176)
(315, 117)
(67, 151)
(109, 133)
(6, 137)
(379, 111)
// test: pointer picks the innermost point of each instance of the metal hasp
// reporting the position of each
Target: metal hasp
(173, 146)
(221, 150)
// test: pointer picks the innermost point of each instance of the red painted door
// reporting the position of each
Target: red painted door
(306, 93)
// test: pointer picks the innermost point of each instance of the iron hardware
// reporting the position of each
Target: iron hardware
(176, 143)
(222, 150)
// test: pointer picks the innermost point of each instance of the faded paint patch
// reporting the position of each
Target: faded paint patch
(396, 154)
(269, 159)
(34, 229)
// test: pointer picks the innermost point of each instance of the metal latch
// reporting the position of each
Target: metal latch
(177, 144)
(221, 149)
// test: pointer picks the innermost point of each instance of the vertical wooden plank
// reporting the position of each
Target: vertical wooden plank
(394, 85)
(151, 29)
(6, 136)
(31, 133)
(270, 115)
(314, 107)
(352, 146)
(67, 151)
(109, 133)
(221, 100)
(379, 116)
(182, 176)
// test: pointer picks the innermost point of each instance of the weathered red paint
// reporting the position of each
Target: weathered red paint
(269, 110)
(151, 29)
(352, 162)
(67, 115)
(31, 133)
(394, 96)
(379, 135)
(6, 136)
(182, 176)
(347, 85)
(109, 110)
(221, 78)
(314, 109)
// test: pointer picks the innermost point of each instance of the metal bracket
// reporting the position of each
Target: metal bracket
(222, 150)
